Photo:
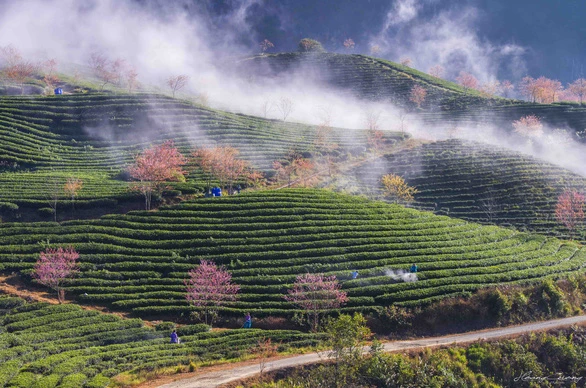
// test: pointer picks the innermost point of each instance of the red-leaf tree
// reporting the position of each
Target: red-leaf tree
(418, 94)
(103, 68)
(53, 266)
(349, 44)
(131, 79)
(569, 210)
(578, 88)
(208, 287)
(296, 170)
(15, 68)
(490, 88)
(223, 164)
(467, 80)
(528, 126)
(177, 82)
(529, 88)
(437, 71)
(50, 77)
(266, 45)
(506, 88)
(154, 166)
(542, 89)
(284, 170)
(304, 170)
(316, 294)
(72, 187)
(376, 140)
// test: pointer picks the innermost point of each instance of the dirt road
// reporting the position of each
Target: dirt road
(237, 372)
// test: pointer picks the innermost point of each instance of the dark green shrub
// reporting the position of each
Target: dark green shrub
(165, 326)
(307, 45)
(8, 206)
(46, 211)
(193, 329)
(552, 299)
(498, 304)
(10, 302)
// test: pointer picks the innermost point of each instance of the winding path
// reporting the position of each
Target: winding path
(238, 372)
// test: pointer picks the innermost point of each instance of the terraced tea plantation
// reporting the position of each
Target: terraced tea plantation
(369, 78)
(45, 140)
(446, 104)
(138, 262)
(480, 183)
(44, 345)
(558, 115)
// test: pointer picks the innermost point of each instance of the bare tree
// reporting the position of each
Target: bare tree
(285, 105)
(324, 114)
(177, 82)
(266, 107)
(53, 192)
(372, 120)
(489, 206)
(131, 79)
(403, 121)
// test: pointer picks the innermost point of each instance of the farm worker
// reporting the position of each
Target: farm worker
(175, 338)
(413, 268)
(247, 321)
(354, 274)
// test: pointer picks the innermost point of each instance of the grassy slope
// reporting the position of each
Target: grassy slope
(93, 137)
(45, 345)
(137, 262)
(479, 183)
(446, 104)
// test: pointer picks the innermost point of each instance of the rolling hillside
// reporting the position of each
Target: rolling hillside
(368, 78)
(479, 183)
(45, 140)
(375, 79)
(44, 345)
(137, 262)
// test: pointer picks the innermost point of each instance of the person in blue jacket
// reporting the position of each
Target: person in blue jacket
(413, 268)
(247, 321)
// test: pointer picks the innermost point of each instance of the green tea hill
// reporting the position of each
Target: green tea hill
(477, 182)
(45, 140)
(447, 103)
(138, 262)
(44, 345)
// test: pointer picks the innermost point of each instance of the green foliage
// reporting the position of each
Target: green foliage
(138, 261)
(498, 304)
(307, 45)
(7, 302)
(165, 326)
(479, 183)
(526, 361)
(396, 318)
(552, 299)
(46, 211)
(193, 329)
(50, 140)
(63, 345)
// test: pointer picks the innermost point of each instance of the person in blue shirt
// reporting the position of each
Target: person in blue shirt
(247, 321)
(354, 274)
(413, 268)
(175, 338)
